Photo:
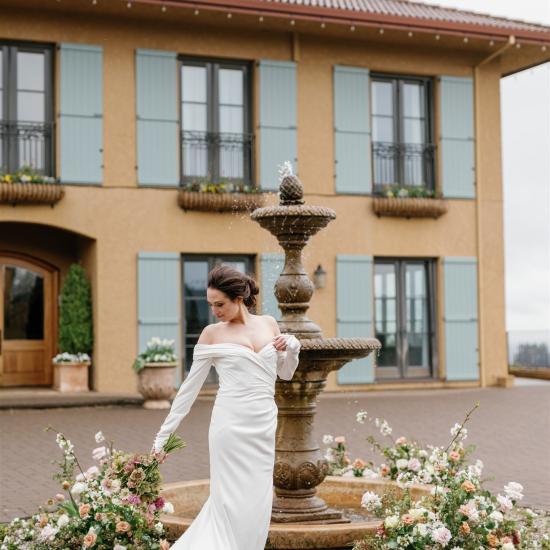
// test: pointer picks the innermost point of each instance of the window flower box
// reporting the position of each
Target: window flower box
(219, 197)
(405, 202)
(29, 187)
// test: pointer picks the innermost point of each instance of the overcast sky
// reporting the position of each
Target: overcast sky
(526, 162)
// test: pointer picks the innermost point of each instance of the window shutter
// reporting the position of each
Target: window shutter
(461, 319)
(271, 267)
(159, 298)
(157, 118)
(277, 125)
(81, 114)
(354, 312)
(457, 137)
(352, 133)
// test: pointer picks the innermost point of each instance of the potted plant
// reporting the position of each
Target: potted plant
(409, 202)
(72, 363)
(156, 369)
(223, 196)
(27, 186)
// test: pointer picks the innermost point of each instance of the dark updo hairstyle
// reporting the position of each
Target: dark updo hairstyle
(234, 284)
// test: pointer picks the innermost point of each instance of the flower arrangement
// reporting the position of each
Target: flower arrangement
(25, 174)
(404, 192)
(114, 505)
(222, 186)
(157, 351)
(71, 358)
(458, 515)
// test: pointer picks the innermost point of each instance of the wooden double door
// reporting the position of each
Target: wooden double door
(27, 321)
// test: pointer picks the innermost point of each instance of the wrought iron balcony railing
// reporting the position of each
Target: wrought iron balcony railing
(26, 144)
(214, 157)
(404, 164)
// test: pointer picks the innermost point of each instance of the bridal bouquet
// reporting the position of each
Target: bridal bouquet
(113, 505)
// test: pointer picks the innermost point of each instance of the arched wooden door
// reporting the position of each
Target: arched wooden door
(27, 322)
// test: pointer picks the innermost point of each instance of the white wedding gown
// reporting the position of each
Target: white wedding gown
(241, 439)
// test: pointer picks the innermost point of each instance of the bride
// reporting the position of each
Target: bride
(248, 352)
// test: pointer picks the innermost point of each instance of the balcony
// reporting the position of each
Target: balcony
(26, 164)
(404, 181)
(217, 172)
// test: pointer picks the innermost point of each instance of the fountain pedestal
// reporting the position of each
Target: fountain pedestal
(299, 464)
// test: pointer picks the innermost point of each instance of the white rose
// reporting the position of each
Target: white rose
(514, 490)
(99, 437)
(371, 501)
(391, 522)
(159, 527)
(119, 547)
(441, 535)
(505, 503)
(414, 464)
(99, 452)
(78, 488)
(402, 464)
(328, 439)
(168, 508)
(47, 533)
(62, 520)
(496, 516)
(420, 529)
(508, 546)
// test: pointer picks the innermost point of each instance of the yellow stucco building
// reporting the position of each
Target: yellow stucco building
(128, 104)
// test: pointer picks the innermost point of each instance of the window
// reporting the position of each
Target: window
(402, 147)
(26, 108)
(197, 314)
(404, 299)
(216, 121)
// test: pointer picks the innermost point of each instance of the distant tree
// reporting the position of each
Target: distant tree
(532, 355)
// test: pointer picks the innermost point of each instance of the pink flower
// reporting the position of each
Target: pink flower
(401, 440)
(133, 499)
(340, 440)
(90, 539)
(159, 503)
(441, 535)
(164, 544)
(454, 456)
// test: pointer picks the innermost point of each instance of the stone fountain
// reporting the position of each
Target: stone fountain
(299, 463)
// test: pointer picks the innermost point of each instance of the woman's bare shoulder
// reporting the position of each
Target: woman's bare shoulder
(208, 334)
(272, 323)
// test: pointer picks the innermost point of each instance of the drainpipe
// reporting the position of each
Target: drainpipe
(480, 286)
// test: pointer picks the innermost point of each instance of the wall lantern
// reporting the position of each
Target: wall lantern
(319, 277)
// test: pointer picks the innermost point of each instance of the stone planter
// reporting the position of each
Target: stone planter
(156, 383)
(71, 377)
(409, 207)
(31, 193)
(219, 202)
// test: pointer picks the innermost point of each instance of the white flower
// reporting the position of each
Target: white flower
(159, 527)
(508, 546)
(461, 433)
(99, 452)
(371, 501)
(370, 474)
(92, 472)
(47, 533)
(514, 490)
(441, 535)
(328, 439)
(361, 417)
(414, 464)
(417, 513)
(78, 488)
(168, 508)
(456, 548)
(420, 529)
(391, 522)
(62, 520)
(384, 427)
(505, 503)
(99, 437)
(119, 547)
(402, 464)
(530, 513)
(496, 516)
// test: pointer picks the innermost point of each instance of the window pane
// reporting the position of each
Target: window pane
(385, 293)
(194, 117)
(231, 120)
(196, 316)
(418, 330)
(30, 106)
(193, 84)
(413, 130)
(23, 304)
(1, 72)
(231, 86)
(413, 99)
(30, 71)
(195, 276)
(382, 129)
(382, 98)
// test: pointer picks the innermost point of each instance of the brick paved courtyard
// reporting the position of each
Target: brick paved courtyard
(511, 430)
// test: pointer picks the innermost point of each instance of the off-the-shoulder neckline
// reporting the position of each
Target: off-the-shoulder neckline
(235, 344)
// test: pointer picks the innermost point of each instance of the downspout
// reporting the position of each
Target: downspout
(480, 287)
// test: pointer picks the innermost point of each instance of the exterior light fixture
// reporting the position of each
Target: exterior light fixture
(319, 277)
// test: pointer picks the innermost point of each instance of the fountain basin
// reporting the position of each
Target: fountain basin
(188, 498)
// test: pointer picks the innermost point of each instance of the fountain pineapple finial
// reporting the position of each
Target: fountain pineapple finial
(291, 190)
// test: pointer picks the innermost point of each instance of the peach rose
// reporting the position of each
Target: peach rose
(384, 470)
(468, 486)
(164, 544)
(454, 456)
(492, 540)
(122, 527)
(407, 519)
(90, 539)
(465, 528)
(84, 510)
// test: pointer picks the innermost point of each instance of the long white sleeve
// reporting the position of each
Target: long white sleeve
(184, 399)
(287, 361)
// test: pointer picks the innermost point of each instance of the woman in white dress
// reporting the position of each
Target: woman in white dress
(248, 352)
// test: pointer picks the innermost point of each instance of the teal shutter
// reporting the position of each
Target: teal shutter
(352, 133)
(461, 319)
(81, 114)
(271, 267)
(159, 298)
(354, 312)
(277, 125)
(157, 118)
(457, 137)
